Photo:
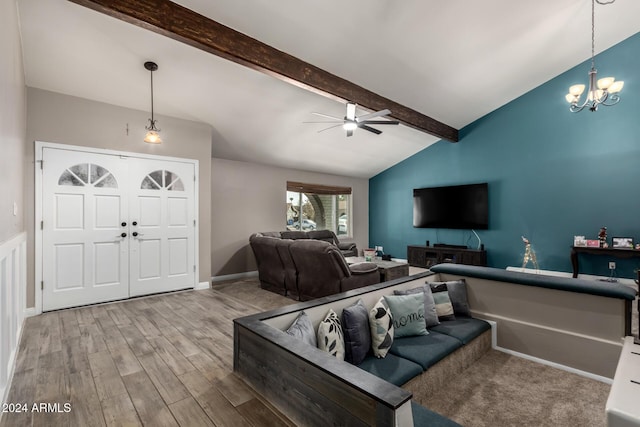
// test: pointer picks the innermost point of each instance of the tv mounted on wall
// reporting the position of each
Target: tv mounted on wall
(456, 206)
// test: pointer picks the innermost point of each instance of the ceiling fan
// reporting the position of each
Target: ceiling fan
(351, 122)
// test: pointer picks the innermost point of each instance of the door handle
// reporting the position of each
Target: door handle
(122, 235)
(134, 223)
(136, 234)
(124, 224)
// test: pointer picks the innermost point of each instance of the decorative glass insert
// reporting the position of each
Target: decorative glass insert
(88, 174)
(159, 179)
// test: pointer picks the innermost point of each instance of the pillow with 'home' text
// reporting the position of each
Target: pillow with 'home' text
(408, 314)
(430, 314)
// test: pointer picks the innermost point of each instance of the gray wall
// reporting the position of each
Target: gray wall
(53, 117)
(12, 123)
(247, 197)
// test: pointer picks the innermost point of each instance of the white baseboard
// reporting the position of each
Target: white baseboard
(494, 345)
(557, 365)
(202, 285)
(30, 312)
(236, 276)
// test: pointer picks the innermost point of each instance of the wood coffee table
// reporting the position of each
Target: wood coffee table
(389, 270)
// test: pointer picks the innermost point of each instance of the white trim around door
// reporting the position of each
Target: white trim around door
(177, 213)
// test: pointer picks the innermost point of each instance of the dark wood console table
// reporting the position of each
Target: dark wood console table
(612, 252)
(428, 256)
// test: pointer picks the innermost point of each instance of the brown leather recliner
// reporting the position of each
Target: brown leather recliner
(347, 248)
(271, 271)
(322, 270)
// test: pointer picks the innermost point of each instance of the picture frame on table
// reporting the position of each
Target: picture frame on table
(622, 242)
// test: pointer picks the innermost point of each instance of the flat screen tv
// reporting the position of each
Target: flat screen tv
(456, 206)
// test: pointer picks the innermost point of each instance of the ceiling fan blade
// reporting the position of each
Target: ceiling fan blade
(327, 121)
(373, 115)
(349, 133)
(370, 129)
(351, 111)
(330, 127)
(379, 122)
(328, 116)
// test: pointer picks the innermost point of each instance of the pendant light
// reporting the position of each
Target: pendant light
(152, 136)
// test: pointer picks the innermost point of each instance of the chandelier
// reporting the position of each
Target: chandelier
(603, 91)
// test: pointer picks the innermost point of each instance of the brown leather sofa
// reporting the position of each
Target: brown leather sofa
(347, 248)
(306, 269)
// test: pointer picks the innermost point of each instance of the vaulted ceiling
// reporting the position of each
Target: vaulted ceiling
(453, 61)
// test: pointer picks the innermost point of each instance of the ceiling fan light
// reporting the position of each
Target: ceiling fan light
(571, 98)
(576, 90)
(616, 87)
(605, 82)
(152, 137)
(350, 125)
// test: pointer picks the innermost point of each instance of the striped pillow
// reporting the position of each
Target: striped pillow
(444, 308)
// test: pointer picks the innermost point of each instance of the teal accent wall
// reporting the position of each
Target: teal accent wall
(552, 174)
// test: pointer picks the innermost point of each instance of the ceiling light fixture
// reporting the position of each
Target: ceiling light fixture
(604, 91)
(152, 136)
(349, 124)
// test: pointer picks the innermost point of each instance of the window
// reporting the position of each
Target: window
(87, 174)
(162, 179)
(318, 207)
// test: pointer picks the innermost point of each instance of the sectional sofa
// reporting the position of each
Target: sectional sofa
(551, 319)
(307, 268)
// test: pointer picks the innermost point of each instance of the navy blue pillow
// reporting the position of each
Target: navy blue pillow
(356, 331)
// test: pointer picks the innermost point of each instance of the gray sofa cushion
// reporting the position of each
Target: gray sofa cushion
(394, 369)
(464, 328)
(425, 350)
(356, 331)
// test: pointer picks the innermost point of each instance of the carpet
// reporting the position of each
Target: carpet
(498, 390)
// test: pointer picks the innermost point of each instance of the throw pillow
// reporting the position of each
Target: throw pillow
(458, 294)
(444, 308)
(381, 322)
(408, 314)
(330, 335)
(430, 314)
(357, 334)
(302, 329)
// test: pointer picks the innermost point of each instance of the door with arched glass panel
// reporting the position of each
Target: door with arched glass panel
(85, 243)
(162, 226)
(114, 227)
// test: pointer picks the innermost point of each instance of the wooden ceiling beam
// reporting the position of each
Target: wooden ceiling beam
(184, 25)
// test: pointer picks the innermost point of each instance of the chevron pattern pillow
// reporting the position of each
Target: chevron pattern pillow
(381, 323)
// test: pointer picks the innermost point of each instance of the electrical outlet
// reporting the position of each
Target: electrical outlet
(380, 249)
(612, 265)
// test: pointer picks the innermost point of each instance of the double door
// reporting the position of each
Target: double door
(114, 227)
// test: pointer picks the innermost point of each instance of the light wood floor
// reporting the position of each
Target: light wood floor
(159, 361)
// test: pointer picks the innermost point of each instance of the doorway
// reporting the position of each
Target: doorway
(113, 225)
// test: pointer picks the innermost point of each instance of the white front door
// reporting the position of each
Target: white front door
(115, 226)
(162, 226)
(85, 202)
